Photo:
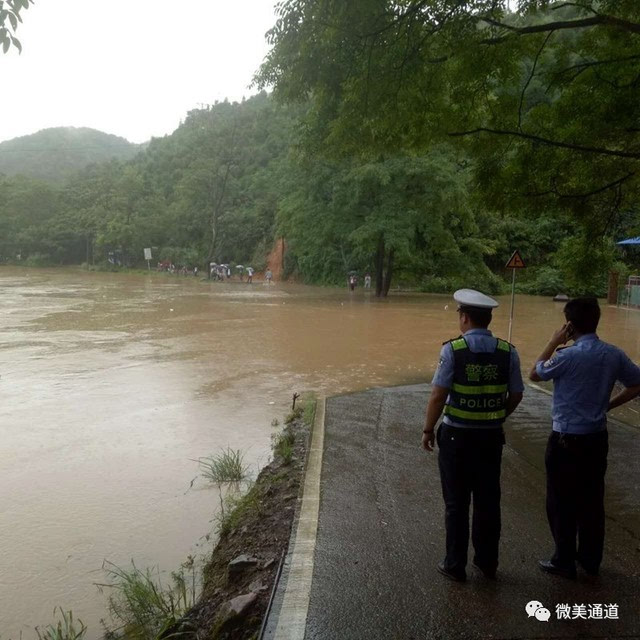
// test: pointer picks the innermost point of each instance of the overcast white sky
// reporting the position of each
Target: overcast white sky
(129, 67)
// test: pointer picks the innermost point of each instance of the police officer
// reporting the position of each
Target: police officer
(478, 384)
(576, 457)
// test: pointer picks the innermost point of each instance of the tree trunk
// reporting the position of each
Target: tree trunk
(379, 264)
(388, 273)
(212, 245)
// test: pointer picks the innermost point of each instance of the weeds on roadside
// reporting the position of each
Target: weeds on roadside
(229, 473)
(144, 608)
(309, 412)
(226, 466)
(294, 415)
(65, 629)
(234, 506)
(282, 445)
(306, 410)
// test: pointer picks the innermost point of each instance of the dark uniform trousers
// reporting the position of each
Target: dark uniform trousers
(469, 460)
(576, 466)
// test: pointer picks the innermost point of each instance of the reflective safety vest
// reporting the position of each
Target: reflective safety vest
(480, 383)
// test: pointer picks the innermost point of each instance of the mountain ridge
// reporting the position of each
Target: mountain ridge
(55, 153)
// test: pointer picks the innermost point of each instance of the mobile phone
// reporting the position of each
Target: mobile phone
(570, 330)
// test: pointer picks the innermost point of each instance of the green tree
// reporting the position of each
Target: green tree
(543, 98)
(26, 208)
(10, 17)
(406, 215)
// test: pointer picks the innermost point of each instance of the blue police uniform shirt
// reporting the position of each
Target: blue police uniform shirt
(583, 377)
(479, 341)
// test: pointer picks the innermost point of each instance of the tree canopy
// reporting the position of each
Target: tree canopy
(418, 140)
(208, 191)
(543, 98)
(230, 180)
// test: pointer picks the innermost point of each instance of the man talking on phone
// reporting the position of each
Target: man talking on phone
(584, 375)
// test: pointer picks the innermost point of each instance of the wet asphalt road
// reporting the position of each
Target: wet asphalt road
(381, 533)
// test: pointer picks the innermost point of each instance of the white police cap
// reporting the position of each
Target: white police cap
(472, 298)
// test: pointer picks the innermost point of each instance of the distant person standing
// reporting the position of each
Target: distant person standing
(583, 377)
(367, 281)
(352, 282)
(249, 275)
(268, 276)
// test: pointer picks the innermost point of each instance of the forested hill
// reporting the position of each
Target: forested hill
(54, 154)
(234, 177)
(208, 192)
(491, 128)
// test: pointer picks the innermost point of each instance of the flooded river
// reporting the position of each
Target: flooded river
(110, 386)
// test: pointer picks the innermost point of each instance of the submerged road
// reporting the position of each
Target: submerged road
(380, 535)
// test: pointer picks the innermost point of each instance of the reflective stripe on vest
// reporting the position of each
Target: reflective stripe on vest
(467, 389)
(475, 416)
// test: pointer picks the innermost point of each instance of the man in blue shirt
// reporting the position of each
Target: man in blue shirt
(584, 375)
(478, 384)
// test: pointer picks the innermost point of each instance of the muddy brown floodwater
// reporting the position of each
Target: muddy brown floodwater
(112, 384)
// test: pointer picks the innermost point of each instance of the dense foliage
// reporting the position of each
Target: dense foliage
(209, 191)
(418, 140)
(542, 99)
(55, 154)
(545, 96)
(229, 181)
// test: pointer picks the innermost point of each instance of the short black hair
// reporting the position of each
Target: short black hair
(583, 314)
(479, 316)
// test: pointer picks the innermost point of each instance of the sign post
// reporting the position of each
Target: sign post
(147, 257)
(515, 262)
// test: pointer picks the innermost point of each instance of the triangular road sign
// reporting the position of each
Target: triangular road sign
(515, 261)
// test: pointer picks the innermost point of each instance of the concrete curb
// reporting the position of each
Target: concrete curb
(288, 617)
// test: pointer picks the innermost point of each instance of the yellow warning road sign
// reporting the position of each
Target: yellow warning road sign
(515, 261)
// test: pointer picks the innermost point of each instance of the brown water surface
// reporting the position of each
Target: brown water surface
(112, 384)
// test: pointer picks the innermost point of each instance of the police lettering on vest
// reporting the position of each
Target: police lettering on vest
(481, 403)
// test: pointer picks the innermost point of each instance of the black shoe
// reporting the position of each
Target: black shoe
(490, 574)
(455, 576)
(590, 571)
(548, 567)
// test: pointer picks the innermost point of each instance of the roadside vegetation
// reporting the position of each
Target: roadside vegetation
(225, 467)
(282, 445)
(65, 628)
(143, 604)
